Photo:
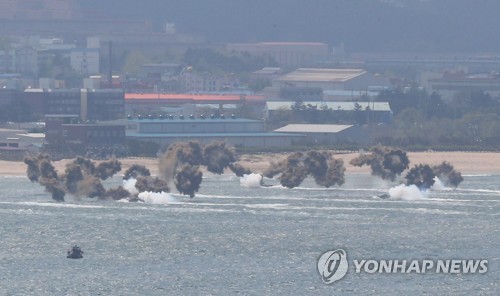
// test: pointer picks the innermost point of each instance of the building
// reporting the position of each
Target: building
(15, 143)
(432, 62)
(350, 95)
(330, 79)
(157, 103)
(267, 73)
(303, 93)
(155, 72)
(7, 96)
(85, 61)
(25, 61)
(286, 54)
(33, 56)
(104, 104)
(88, 104)
(328, 134)
(191, 81)
(451, 83)
(376, 112)
(68, 135)
(238, 132)
(63, 101)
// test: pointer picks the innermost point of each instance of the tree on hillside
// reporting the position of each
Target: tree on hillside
(133, 63)
(208, 60)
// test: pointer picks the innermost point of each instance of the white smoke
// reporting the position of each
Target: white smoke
(251, 180)
(156, 198)
(438, 185)
(404, 192)
(129, 185)
(162, 198)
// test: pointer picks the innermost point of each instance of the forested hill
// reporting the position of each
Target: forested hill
(362, 25)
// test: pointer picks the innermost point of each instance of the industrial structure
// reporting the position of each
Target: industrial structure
(88, 104)
(328, 134)
(330, 79)
(187, 104)
(66, 134)
(239, 132)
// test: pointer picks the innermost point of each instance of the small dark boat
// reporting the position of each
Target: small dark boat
(75, 253)
(383, 196)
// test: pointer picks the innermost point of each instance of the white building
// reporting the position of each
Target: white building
(85, 60)
(328, 134)
(331, 79)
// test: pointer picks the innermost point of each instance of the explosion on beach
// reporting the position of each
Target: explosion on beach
(179, 166)
(423, 175)
(326, 170)
(81, 177)
(384, 162)
(388, 164)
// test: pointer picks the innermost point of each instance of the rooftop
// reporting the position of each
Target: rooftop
(312, 128)
(346, 106)
(207, 135)
(191, 97)
(268, 70)
(322, 75)
(196, 120)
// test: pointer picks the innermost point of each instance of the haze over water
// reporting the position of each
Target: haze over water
(232, 239)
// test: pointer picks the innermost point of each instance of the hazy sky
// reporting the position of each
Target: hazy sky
(363, 25)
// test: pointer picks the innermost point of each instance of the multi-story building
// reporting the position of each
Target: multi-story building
(104, 104)
(206, 82)
(67, 134)
(85, 61)
(92, 105)
(25, 61)
(451, 83)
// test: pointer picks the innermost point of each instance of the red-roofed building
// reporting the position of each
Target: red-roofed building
(155, 103)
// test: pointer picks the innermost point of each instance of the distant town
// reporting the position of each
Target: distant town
(110, 87)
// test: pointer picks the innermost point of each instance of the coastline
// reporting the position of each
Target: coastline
(464, 162)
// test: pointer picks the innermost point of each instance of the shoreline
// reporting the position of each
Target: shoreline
(464, 162)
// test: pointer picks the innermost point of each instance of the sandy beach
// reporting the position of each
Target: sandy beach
(465, 162)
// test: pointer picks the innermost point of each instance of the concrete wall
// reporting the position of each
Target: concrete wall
(252, 141)
(354, 134)
(201, 126)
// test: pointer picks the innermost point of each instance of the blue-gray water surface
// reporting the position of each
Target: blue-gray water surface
(232, 240)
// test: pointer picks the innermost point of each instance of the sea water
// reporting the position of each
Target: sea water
(233, 238)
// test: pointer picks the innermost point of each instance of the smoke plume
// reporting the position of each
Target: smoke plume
(421, 176)
(118, 193)
(135, 171)
(81, 177)
(188, 179)
(152, 184)
(239, 170)
(217, 156)
(447, 174)
(181, 163)
(326, 170)
(384, 162)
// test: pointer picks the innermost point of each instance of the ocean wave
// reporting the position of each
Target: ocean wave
(477, 175)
